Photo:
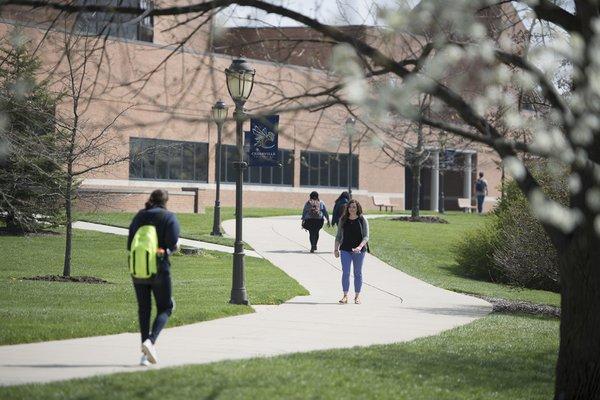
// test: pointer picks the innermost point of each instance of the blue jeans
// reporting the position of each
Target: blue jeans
(480, 199)
(357, 259)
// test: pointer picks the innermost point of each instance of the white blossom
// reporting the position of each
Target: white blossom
(553, 213)
(513, 119)
(345, 64)
(583, 131)
(377, 142)
(514, 167)
(574, 182)
(592, 198)
(581, 157)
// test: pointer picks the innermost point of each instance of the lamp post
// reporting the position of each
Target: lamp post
(350, 123)
(240, 80)
(219, 113)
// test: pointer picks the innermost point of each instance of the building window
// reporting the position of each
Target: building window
(327, 169)
(283, 175)
(127, 26)
(168, 160)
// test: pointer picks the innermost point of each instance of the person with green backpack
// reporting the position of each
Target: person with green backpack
(153, 237)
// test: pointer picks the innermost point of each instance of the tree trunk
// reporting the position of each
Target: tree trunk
(578, 366)
(416, 192)
(69, 233)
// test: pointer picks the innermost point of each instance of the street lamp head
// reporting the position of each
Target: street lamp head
(350, 123)
(240, 79)
(219, 112)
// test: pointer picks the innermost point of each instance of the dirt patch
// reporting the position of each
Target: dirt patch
(60, 278)
(426, 219)
(191, 251)
(521, 307)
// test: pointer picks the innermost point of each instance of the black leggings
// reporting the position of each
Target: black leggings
(161, 287)
(313, 226)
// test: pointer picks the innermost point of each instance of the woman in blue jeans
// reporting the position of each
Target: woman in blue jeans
(351, 245)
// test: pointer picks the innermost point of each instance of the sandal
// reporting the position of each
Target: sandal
(344, 300)
(356, 301)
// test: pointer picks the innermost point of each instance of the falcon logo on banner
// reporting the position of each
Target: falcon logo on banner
(261, 142)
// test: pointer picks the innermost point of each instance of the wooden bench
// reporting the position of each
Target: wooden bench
(465, 204)
(383, 201)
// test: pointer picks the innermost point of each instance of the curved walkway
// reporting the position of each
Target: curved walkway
(195, 244)
(396, 308)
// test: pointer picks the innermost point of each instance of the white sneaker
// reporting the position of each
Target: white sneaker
(144, 361)
(149, 351)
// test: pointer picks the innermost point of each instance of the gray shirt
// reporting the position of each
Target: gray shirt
(307, 209)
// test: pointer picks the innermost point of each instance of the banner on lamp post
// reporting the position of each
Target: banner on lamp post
(261, 142)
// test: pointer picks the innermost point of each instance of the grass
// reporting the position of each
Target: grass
(33, 311)
(193, 226)
(425, 252)
(498, 357)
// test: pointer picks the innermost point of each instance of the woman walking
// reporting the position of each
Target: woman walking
(351, 244)
(339, 207)
(313, 216)
(152, 276)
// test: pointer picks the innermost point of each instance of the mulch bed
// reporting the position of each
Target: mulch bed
(60, 278)
(191, 251)
(426, 219)
(523, 307)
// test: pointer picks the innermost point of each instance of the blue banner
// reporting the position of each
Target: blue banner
(261, 142)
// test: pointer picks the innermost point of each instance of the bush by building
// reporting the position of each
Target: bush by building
(512, 247)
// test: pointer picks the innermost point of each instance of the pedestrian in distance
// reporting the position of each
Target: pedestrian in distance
(481, 190)
(313, 218)
(339, 207)
(153, 237)
(351, 244)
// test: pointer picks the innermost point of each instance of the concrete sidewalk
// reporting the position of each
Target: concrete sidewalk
(396, 308)
(196, 244)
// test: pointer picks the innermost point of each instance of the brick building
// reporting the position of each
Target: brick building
(163, 94)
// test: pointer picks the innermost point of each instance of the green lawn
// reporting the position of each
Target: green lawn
(498, 357)
(193, 226)
(33, 311)
(425, 251)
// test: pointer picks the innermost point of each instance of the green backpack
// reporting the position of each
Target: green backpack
(143, 259)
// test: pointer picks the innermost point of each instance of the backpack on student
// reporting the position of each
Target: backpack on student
(480, 185)
(314, 212)
(143, 257)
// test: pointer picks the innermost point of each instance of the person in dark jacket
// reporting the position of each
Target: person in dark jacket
(350, 244)
(313, 217)
(167, 229)
(339, 207)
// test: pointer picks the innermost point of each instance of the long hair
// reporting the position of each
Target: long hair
(347, 212)
(314, 195)
(158, 198)
(344, 195)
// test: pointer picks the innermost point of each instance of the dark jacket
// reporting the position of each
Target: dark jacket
(167, 229)
(338, 209)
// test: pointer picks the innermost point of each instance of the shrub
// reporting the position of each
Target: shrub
(513, 247)
(474, 252)
(524, 254)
